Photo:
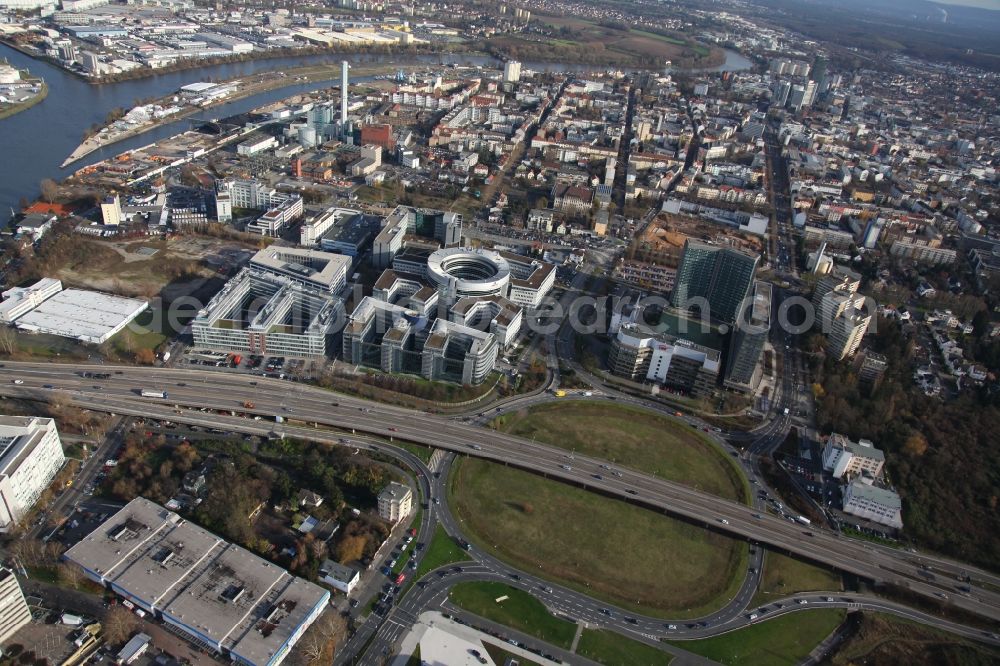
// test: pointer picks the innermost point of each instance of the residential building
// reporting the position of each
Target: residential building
(871, 369)
(572, 198)
(848, 324)
(31, 455)
(842, 457)
(14, 611)
(879, 505)
(512, 71)
(339, 576)
(838, 281)
(746, 347)
(217, 595)
(715, 278)
(395, 502)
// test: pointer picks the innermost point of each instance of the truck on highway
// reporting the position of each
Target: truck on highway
(559, 393)
(150, 393)
(803, 520)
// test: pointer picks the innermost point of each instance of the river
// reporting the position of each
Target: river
(35, 142)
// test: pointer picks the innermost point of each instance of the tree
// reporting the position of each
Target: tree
(70, 574)
(8, 340)
(144, 356)
(49, 189)
(317, 645)
(915, 445)
(119, 625)
(351, 548)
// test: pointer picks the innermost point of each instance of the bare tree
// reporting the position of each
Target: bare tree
(119, 625)
(8, 340)
(321, 639)
(50, 190)
(70, 574)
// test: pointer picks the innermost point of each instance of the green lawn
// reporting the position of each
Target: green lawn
(635, 438)
(613, 550)
(613, 649)
(785, 575)
(441, 550)
(785, 640)
(422, 452)
(520, 611)
(500, 656)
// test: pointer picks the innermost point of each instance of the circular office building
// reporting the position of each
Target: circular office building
(469, 272)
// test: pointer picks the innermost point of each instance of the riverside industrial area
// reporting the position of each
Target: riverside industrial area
(643, 360)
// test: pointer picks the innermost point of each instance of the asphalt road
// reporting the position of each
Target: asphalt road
(221, 391)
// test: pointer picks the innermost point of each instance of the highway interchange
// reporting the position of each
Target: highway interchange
(192, 390)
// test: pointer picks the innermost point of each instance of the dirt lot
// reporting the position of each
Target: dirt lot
(146, 267)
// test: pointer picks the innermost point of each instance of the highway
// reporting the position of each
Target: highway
(310, 405)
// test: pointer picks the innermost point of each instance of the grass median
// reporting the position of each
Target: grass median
(787, 639)
(513, 608)
(629, 556)
(634, 438)
(611, 649)
(784, 575)
(440, 551)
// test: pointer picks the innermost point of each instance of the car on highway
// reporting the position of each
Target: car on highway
(723, 521)
(18, 381)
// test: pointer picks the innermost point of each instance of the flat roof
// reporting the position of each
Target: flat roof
(328, 269)
(19, 436)
(213, 590)
(85, 315)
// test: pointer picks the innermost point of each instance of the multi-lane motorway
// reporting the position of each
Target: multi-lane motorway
(219, 391)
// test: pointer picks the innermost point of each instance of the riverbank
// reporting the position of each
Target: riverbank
(15, 109)
(188, 64)
(246, 87)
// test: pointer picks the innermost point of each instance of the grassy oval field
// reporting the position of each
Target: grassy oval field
(635, 438)
(629, 556)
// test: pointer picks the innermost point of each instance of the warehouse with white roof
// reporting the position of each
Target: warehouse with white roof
(88, 316)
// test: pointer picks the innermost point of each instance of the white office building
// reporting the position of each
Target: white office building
(842, 456)
(14, 611)
(31, 455)
(512, 71)
(18, 301)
